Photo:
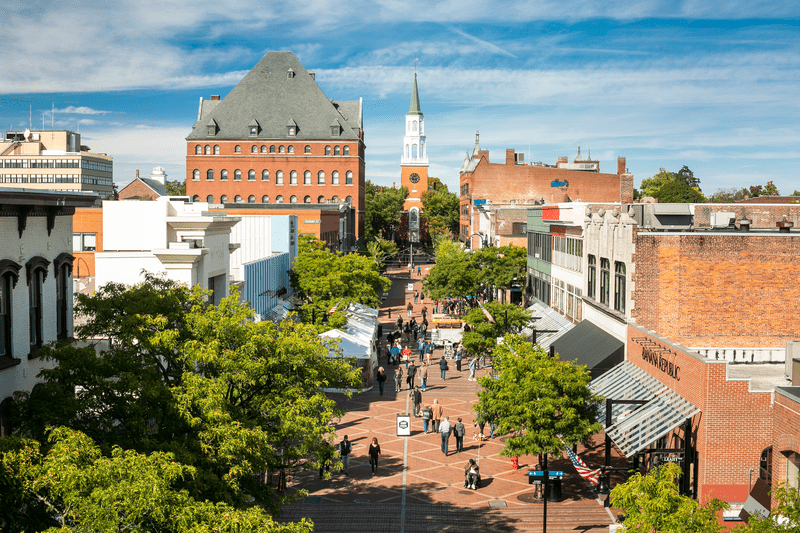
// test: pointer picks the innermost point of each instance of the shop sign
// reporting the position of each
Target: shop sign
(670, 457)
(559, 183)
(653, 353)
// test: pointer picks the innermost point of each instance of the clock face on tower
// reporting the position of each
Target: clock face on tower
(414, 178)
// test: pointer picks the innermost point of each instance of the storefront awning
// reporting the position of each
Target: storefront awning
(636, 427)
(587, 344)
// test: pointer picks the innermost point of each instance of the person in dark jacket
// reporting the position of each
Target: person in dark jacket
(412, 373)
(416, 400)
(443, 366)
(374, 453)
(381, 379)
(459, 430)
(472, 475)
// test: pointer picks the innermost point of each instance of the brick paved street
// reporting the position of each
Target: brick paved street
(431, 496)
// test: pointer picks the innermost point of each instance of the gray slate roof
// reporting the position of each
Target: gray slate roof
(268, 95)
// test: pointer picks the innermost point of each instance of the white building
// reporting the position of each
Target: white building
(170, 234)
(35, 283)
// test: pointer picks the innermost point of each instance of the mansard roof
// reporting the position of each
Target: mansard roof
(278, 89)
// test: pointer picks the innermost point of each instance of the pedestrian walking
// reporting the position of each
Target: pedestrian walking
(406, 355)
(444, 431)
(459, 356)
(407, 330)
(399, 323)
(422, 347)
(423, 376)
(416, 400)
(416, 296)
(427, 414)
(473, 363)
(419, 271)
(410, 309)
(422, 297)
(415, 331)
(395, 355)
(436, 411)
(374, 453)
(345, 447)
(443, 367)
(459, 430)
(381, 379)
(412, 372)
(398, 379)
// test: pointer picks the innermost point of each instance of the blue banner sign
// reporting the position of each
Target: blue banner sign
(559, 183)
(481, 201)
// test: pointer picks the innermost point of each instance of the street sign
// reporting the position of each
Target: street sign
(403, 425)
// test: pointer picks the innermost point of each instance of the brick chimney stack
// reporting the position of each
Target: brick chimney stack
(621, 166)
(215, 97)
(137, 172)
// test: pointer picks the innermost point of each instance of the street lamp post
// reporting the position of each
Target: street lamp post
(484, 239)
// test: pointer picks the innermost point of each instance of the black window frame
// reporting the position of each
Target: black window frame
(592, 276)
(605, 281)
(619, 286)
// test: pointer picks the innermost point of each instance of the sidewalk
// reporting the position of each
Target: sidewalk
(427, 494)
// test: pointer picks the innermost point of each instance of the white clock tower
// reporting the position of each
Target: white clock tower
(414, 161)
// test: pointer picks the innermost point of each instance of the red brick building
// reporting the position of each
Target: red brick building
(276, 138)
(485, 186)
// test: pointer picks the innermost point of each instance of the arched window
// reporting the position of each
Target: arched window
(264, 149)
(408, 151)
(195, 175)
(335, 200)
(349, 199)
(307, 177)
(210, 175)
(321, 200)
(210, 198)
(348, 180)
(293, 199)
(196, 198)
(223, 175)
(265, 199)
(251, 199)
(237, 175)
(279, 199)
(414, 126)
(327, 150)
(307, 200)
(279, 177)
(223, 199)
(293, 177)
(254, 149)
(335, 177)
(265, 175)
(321, 177)
(251, 175)
(237, 149)
(238, 199)
(291, 149)
(346, 150)
(216, 149)
(307, 149)
(414, 151)
(272, 149)
(281, 149)
(336, 150)
(198, 150)
(208, 150)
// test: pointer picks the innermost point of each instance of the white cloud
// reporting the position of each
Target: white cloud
(81, 110)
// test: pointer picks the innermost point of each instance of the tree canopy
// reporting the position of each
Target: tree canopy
(454, 274)
(440, 211)
(673, 187)
(382, 207)
(380, 249)
(164, 371)
(509, 319)
(175, 188)
(544, 403)
(498, 267)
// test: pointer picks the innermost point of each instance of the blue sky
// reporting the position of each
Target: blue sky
(711, 85)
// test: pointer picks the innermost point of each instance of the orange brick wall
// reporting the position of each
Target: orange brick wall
(329, 220)
(760, 216)
(87, 220)
(733, 425)
(718, 289)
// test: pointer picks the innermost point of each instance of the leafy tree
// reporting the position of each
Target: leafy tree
(454, 274)
(681, 187)
(380, 249)
(543, 402)
(382, 206)
(785, 515)
(508, 319)
(796, 193)
(226, 395)
(729, 196)
(83, 489)
(653, 504)
(175, 188)
(498, 267)
(309, 243)
(440, 211)
(764, 190)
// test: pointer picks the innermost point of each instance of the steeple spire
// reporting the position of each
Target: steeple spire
(414, 109)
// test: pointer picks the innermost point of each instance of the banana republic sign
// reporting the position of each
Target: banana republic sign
(654, 353)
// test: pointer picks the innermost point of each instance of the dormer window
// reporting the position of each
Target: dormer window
(336, 129)
(211, 128)
(291, 128)
(253, 127)
(289, 74)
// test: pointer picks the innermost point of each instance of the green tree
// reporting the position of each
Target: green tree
(226, 395)
(509, 319)
(175, 188)
(785, 514)
(653, 504)
(84, 489)
(380, 249)
(382, 206)
(680, 187)
(796, 193)
(730, 195)
(440, 211)
(543, 402)
(499, 267)
(454, 274)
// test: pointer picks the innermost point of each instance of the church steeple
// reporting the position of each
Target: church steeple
(414, 108)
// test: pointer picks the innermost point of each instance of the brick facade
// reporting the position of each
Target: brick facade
(785, 431)
(139, 190)
(759, 215)
(87, 220)
(717, 289)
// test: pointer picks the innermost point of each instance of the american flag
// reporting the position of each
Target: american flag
(584, 471)
(486, 313)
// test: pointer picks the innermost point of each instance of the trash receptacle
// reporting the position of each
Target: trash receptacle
(553, 491)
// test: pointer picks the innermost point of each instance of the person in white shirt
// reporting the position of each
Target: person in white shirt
(444, 430)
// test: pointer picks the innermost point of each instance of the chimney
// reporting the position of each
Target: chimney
(510, 158)
(744, 225)
(621, 165)
(215, 97)
(313, 76)
(784, 226)
(137, 172)
(563, 159)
